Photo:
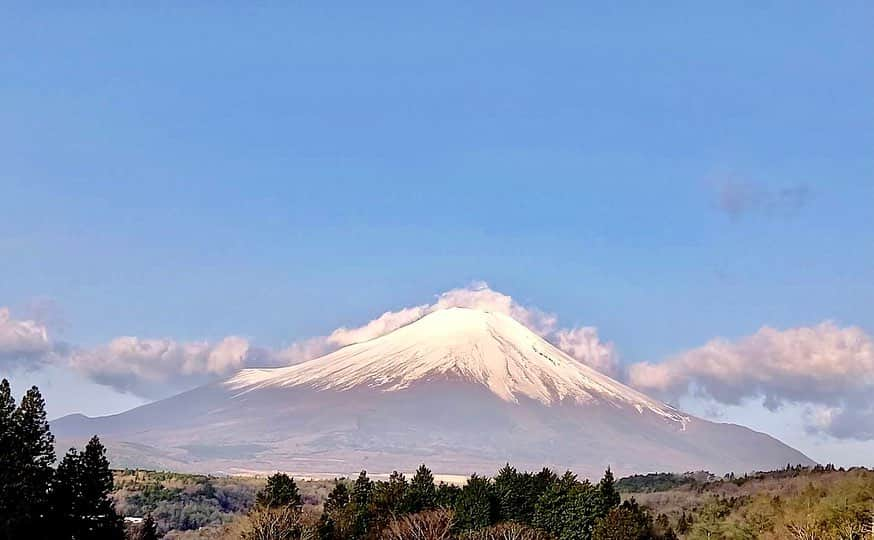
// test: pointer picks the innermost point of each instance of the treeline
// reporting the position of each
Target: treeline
(512, 504)
(38, 501)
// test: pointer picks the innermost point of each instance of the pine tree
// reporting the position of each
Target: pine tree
(447, 495)
(422, 491)
(390, 499)
(338, 498)
(83, 510)
(608, 494)
(362, 497)
(280, 491)
(335, 522)
(568, 509)
(477, 506)
(515, 493)
(33, 449)
(626, 522)
(8, 461)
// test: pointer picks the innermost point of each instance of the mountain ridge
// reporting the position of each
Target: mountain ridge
(461, 389)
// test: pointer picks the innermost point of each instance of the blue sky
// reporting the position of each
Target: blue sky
(668, 174)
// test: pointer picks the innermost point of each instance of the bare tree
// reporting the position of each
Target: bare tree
(430, 525)
(283, 523)
(507, 531)
(802, 532)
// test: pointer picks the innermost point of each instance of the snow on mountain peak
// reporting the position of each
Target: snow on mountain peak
(483, 347)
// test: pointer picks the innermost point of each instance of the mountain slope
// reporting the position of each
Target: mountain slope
(461, 389)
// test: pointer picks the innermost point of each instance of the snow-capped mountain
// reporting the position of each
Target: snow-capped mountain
(490, 349)
(460, 389)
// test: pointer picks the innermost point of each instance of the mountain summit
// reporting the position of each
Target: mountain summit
(463, 390)
(465, 345)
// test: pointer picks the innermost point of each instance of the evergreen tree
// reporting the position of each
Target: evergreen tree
(390, 499)
(422, 492)
(280, 491)
(516, 494)
(608, 494)
(568, 509)
(8, 461)
(362, 489)
(626, 522)
(447, 495)
(477, 506)
(334, 524)
(361, 500)
(83, 509)
(544, 479)
(338, 498)
(33, 452)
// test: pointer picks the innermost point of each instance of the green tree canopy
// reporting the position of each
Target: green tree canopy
(281, 490)
(83, 509)
(422, 494)
(477, 506)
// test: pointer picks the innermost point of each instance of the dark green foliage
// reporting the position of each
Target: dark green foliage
(8, 462)
(630, 521)
(36, 447)
(363, 516)
(390, 499)
(542, 480)
(280, 491)
(626, 522)
(335, 522)
(517, 494)
(25, 468)
(80, 497)
(653, 482)
(609, 496)
(477, 506)
(338, 498)
(422, 494)
(362, 490)
(569, 509)
(447, 495)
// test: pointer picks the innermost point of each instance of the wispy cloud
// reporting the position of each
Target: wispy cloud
(829, 369)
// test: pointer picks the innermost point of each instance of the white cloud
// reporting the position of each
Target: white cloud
(23, 343)
(581, 343)
(584, 344)
(827, 367)
(481, 296)
(385, 323)
(159, 366)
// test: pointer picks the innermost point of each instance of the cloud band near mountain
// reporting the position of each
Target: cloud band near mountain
(828, 368)
(160, 367)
